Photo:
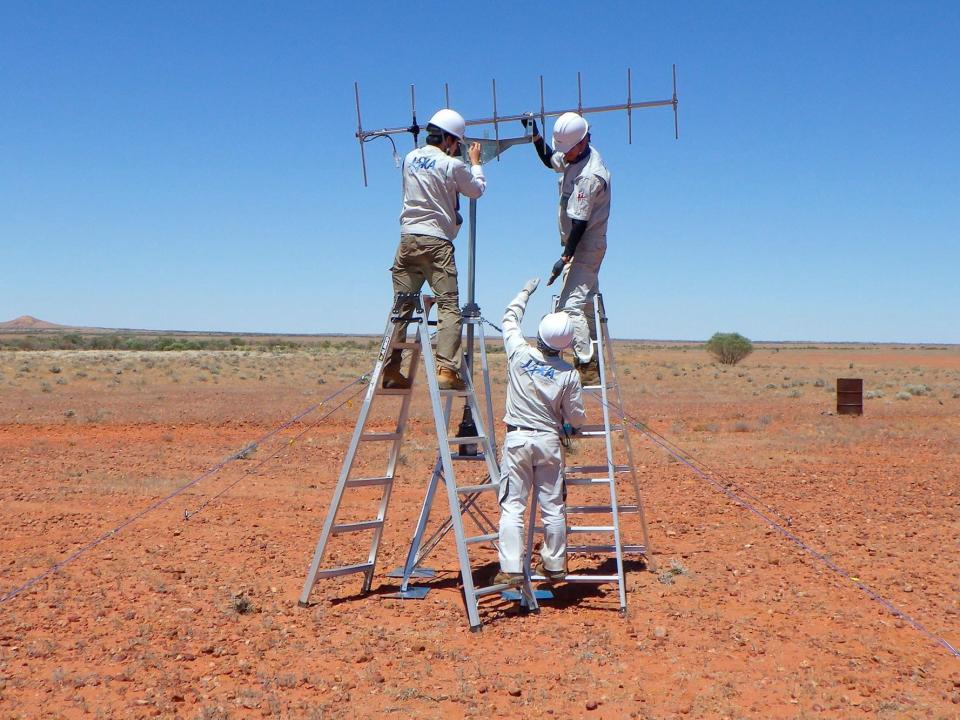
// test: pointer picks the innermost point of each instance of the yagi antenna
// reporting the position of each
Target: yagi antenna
(364, 136)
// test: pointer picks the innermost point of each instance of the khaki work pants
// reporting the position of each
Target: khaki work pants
(419, 259)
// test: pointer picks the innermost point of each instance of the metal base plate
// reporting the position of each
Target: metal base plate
(416, 572)
(411, 593)
(515, 595)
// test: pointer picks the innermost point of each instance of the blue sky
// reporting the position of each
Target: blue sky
(192, 165)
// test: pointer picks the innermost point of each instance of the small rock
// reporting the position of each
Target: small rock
(514, 691)
(592, 704)
(660, 632)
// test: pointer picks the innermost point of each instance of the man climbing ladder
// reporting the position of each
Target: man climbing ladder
(543, 393)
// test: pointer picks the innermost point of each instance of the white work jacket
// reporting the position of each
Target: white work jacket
(584, 194)
(432, 185)
(543, 391)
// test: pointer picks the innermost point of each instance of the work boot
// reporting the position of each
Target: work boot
(450, 380)
(589, 372)
(505, 578)
(393, 379)
(552, 576)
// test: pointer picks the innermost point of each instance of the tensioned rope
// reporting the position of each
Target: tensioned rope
(692, 463)
(10, 595)
(188, 514)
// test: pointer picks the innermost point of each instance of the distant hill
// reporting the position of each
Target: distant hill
(28, 322)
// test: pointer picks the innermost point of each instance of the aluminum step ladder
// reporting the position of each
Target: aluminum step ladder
(613, 431)
(462, 499)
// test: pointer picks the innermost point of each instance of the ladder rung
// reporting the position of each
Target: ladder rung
(344, 570)
(593, 469)
(587, 434)
(598, 388)
(471, 489)
(589, 509)
(491, 589)
(588, 481)
(366, 482)
(356, 526)
(583, 529)
(379, 437)
(456, 393)
(573, 529)
(405, 346)
(625, 549)
(471, 440)
(582, 578)
(394, 391)
(458, 456)
(481, 538)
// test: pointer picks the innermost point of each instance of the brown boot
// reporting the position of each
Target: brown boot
(589, 372)
(393, 379)
(551, 576)
(450, 380)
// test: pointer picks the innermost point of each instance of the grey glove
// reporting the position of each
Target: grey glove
(531, 285)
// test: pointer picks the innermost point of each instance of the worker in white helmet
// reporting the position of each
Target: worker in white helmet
(583, 214)
(543, 394)
(434, 177)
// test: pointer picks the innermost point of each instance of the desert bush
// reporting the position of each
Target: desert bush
(918, 389)
(873, 394)
(903, 395)
(728, 348)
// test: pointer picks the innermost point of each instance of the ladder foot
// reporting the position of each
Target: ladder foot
(476, 628)
(303, 603)
(623, 612)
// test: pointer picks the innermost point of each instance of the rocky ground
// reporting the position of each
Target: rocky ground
(765, 535)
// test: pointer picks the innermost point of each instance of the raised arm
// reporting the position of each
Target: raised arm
(471, 181)
(513, 317)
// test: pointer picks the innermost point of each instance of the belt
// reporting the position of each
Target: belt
(512, 428)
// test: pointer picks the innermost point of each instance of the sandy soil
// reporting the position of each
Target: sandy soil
(197, 617)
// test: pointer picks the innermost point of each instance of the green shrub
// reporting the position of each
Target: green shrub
(729, 348)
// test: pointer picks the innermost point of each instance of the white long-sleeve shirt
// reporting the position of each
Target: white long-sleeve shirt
(432, 185)
(543, 391)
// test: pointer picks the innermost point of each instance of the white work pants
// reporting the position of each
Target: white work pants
(532, 458)
(579, 288)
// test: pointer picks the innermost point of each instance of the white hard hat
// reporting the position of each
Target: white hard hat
(556, 330)
(568, 130)
(450, 121)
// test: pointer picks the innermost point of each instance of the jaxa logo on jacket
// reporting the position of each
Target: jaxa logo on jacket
(532, 367)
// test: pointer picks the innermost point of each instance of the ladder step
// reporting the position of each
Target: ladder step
(344, 570)
(574, 529)
(481, 538)
(585, 509)
(588, 481)
(582, 529)
(366, 482)
(379, 437)
(456, 393)
(491, 589)
(458, 456)
(393, 391)
(601, 433)
(356, 526)
(405, 346)
(471, 489)
(470, 440)
(593, 469)
(622, 509)
(625, 549)
(582, 578)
